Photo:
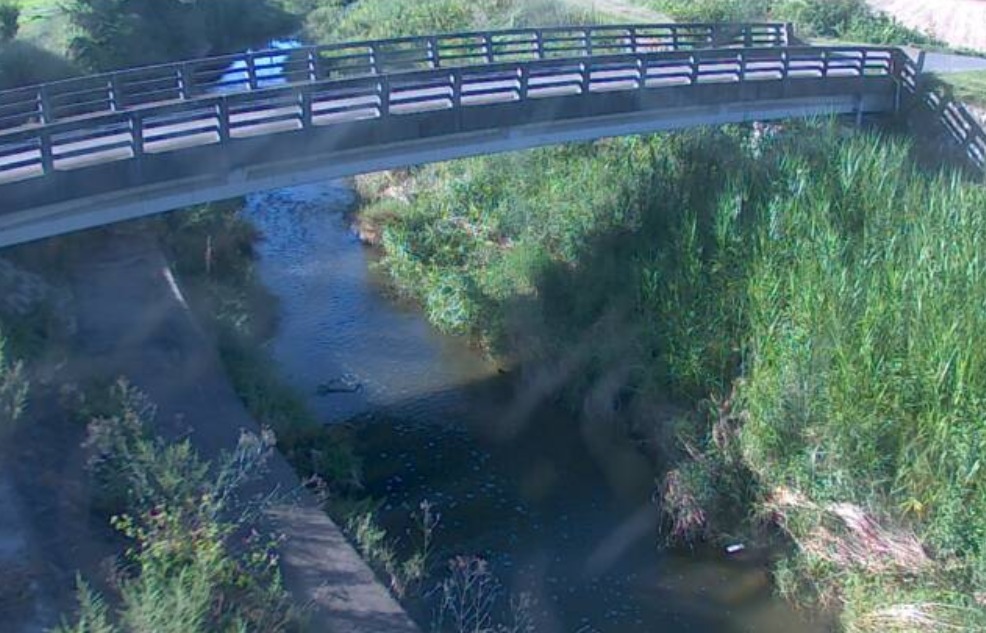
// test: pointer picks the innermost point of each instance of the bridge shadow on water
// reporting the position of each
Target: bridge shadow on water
(547, 470)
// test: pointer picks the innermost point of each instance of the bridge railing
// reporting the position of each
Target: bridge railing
(219, 118)
(116, 91)
(956, 120)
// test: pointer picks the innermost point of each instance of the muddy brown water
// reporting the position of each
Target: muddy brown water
(560, 508)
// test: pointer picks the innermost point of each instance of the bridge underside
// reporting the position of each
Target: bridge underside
(127, 189)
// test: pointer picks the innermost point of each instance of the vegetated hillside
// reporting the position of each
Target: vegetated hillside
(811, 294)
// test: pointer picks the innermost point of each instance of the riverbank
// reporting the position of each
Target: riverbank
(723, 296)
(133, 321)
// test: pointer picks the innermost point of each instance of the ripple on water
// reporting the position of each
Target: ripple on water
(537, 506)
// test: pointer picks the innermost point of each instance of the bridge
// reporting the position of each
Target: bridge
(95, 150)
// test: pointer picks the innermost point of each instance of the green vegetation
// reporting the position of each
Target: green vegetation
(13, 390)
(969, 87)
(212, 252)
(810, 291)
(196, 562)
(10, 15)
(406, 576)
(841, 20)
(115, 33)
(337, 20)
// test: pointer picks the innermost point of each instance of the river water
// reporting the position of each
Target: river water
(559, 508)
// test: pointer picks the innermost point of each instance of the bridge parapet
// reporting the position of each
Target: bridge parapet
(136, 133)
(110, 92)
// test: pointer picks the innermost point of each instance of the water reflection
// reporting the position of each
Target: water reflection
(559, 507)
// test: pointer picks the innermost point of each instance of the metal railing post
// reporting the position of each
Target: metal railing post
(789, 37)
(525, 81)
(307, 113)
(116, 97)
(222, 111)
(633, 41)
(137, 134)
(47, 152)
(456, 79)
(587, 42)
(44, 105)
(374, 61)
(540, 43)
(488, 45)
(383, 92)
(586, 77)
(252, 71)
(433, 53)
(312, 65)
(185, 82)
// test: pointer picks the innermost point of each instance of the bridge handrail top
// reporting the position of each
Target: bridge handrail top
(274, 52)
(165, 107)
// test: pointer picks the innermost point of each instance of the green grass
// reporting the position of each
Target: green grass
(969, 87)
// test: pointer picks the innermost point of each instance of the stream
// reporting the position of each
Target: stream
(559, 509)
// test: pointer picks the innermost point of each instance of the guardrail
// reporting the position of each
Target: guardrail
(221, 118)
(116, 91)
(958, 123)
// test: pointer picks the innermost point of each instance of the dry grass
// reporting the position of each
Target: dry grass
(916, 617)
(849, 537)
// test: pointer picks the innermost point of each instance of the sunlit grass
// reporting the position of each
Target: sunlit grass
(816, 277)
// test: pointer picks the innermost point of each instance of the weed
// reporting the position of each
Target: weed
(196, 561)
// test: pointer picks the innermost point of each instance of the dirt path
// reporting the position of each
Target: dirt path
(622, 10)
(958, 22)
(133, 322)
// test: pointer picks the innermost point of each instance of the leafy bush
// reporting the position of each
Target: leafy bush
(24, 64)
(120, 33)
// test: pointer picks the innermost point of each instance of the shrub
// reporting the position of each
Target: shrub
(196, 562)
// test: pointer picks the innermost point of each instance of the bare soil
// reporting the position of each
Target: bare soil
(961, 23)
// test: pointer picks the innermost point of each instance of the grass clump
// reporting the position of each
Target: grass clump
(196, 560)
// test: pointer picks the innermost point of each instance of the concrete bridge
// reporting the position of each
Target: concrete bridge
(96, 150)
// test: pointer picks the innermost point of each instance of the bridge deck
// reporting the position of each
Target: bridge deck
(129, 155)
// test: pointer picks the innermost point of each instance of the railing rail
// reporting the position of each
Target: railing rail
(109, 92)
(133, 132)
